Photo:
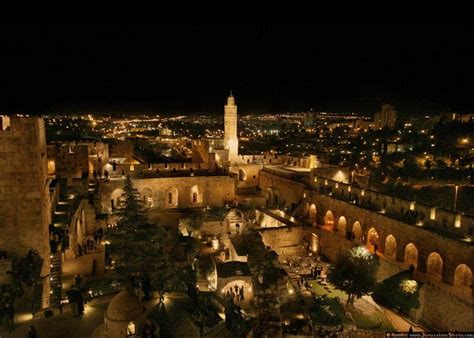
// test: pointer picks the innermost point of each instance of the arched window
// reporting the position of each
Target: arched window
(170, 198)
(195, 197)
(242, 175)
(131, 329)
(434, 267)
(411, 255)
(390, 247)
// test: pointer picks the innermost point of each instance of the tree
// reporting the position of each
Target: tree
(136, 246)
(399, 292)
(354, 273)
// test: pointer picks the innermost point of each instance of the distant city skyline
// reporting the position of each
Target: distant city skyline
(270, 68)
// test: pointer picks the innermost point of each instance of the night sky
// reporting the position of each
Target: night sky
(270, 68)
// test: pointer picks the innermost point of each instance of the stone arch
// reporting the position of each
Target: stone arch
(411, 255)
(235, 220)
(390, 250)
(312, 213)
(434, 267)
(116, 198)
(147, 197)
(463, 279)
(229, 286)
(373, 239)
(196, 195)
(242, 175)
(171, 197)
(329, 218)
(357, 230)
(342, 225)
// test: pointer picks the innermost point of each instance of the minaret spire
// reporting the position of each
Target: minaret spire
(231, 141)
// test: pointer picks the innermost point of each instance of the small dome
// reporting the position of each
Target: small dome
(124, 307)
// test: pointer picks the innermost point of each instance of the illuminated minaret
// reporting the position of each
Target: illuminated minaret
(231, 142)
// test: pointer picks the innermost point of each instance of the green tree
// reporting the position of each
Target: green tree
(354, 273)
(399, 292)
(136, 246)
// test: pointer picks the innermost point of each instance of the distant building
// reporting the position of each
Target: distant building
(386, 118)
(231, 142)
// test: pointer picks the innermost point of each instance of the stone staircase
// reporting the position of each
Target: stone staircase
(56, 279)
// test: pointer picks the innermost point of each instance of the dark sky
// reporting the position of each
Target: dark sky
(418, 68)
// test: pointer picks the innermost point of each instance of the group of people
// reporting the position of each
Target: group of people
(98, 175)
(76, 301)
(316, 271)
(58, 236)
(236, 293)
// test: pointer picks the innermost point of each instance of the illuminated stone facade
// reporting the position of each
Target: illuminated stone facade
(231, 141)
(25, 206)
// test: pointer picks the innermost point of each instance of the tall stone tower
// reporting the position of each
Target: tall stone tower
(231, 141)
(25, 205)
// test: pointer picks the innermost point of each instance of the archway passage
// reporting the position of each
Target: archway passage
(390, 247)
(463, 280)
(240, 291)
(242, 175)
(312, 213)
(235, 220)
(342, 226)
(171, 197)
(116, 198)
(196, 195)
(411, 256)
(148, 197)
(357, 231)
(434, 267)
(373, 239)
(329, 219)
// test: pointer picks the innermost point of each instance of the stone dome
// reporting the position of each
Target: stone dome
(124, 307)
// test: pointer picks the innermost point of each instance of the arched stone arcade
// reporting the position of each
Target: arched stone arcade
(342, 226)
(463, 280)
(434, 267)
(357, 231)
(411, 256)
(390, 250)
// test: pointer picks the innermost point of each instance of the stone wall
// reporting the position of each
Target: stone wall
(25, 205)
(213, 191)
(285, 241)
(453, 252)
(70, 160)
(248, 174)
(281, 191)
(445, 311)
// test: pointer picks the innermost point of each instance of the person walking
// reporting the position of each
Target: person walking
(9, 315)
(32, 332)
